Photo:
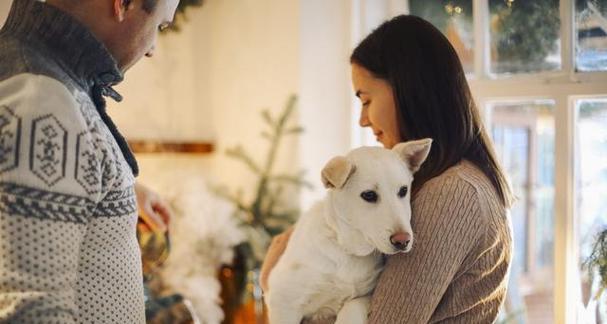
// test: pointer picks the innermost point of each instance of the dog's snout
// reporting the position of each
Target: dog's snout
(400, 240)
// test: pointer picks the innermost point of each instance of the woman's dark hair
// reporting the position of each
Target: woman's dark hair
(432, 97)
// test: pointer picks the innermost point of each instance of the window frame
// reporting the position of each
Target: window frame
(565, 87)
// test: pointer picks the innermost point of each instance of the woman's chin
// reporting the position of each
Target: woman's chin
(386, 144)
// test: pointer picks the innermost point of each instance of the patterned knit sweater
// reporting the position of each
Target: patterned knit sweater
(68, 249)
(457, 270)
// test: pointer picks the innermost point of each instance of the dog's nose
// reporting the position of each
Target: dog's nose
(400, 240)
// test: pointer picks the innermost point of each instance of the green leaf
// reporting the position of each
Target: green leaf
(295, 130)
(239, 153)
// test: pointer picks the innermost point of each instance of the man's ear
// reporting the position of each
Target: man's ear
(414, 153)
(336, 173)
(121, 7)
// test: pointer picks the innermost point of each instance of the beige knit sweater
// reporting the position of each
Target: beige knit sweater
(457, 270)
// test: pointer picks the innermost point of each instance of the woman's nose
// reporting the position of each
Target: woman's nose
(363, 121)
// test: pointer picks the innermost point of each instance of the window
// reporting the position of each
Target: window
(591, 198)
(524, 36)
(454, 19)
(591, 31)
(538, 71)
(523, 133)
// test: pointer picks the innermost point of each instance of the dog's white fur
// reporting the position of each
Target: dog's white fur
(334, 256)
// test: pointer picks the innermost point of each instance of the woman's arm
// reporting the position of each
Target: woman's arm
(275, 251)
(447, 223)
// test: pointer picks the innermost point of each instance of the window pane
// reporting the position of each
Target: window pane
(591, 27)
(524, 36)
(454, 19)
(523, 134)
(591, 199)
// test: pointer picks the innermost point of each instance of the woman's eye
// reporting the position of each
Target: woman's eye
(403, 191)
(366, 103)
(369, 196)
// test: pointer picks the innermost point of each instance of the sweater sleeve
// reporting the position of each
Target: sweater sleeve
(46, 197)
(446, 225)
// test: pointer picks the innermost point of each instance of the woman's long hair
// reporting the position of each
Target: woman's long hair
(432, 97)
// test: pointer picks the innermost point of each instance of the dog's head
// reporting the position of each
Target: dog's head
(370, 193)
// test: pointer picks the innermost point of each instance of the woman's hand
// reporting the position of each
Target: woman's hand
(276, 249)
(320, 321)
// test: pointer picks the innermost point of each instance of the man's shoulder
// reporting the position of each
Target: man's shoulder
(32, 96)
(51, 137)
(18, 57)
(13, 56)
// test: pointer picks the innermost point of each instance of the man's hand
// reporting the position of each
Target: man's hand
(152, 209)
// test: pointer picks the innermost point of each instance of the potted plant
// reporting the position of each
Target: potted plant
(261, 217)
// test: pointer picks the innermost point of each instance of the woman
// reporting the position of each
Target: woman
(412, 86)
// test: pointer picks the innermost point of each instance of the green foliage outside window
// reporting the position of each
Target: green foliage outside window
(524, 33)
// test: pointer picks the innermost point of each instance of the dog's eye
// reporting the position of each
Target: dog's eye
(402, 192)
(369, 196)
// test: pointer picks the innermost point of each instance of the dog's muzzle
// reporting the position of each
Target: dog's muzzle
(400, 241)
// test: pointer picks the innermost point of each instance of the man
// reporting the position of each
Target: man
(68, 251)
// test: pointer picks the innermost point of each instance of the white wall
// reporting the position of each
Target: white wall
(253, 65)
(324, 85)
(233, 58)
(329, 30)
(210, 81)
(161, 93)
(165, 99)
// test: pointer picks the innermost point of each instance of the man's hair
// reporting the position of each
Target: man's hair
(149, 5)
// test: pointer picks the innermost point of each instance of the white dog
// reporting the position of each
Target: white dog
(333, 258)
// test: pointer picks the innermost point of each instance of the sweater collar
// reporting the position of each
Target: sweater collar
(68, 41)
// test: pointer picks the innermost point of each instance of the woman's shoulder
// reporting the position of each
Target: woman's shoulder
(466, 189)
(464, 178)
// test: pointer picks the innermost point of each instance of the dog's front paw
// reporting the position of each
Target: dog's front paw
(320, 320)
(354, 311)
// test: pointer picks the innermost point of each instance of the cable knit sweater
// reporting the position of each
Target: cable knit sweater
(457, 270)
(68, 249)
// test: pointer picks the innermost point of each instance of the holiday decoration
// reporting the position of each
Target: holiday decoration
(265, 215)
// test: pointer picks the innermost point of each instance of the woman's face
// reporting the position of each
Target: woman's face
(378, 108)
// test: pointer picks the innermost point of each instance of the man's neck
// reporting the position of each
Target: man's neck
(81, 10)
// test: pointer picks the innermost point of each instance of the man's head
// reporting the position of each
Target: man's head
(128, 28)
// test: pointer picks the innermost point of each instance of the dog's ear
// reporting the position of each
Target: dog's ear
(414, 153)
(336, 172)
